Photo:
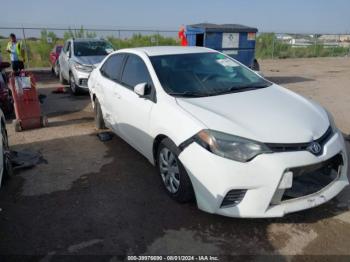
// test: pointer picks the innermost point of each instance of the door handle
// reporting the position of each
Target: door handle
(116, 94)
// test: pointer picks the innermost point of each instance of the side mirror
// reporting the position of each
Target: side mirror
(140, 89)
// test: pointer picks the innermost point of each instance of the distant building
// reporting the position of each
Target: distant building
(284, 37)
(329, 38)
(300, 42)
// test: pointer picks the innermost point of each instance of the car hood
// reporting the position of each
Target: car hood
(90, 60)
(272, 115)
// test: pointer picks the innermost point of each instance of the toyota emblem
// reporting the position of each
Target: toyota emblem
(315, 148)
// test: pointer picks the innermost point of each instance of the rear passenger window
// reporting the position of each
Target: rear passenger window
(135, 72)
(111, 68)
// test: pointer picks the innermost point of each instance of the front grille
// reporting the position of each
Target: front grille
(83, 81)
(311, 179)
(300, 146)
(233, 197)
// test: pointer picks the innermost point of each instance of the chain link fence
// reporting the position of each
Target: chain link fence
(286, 45)
(39, 42)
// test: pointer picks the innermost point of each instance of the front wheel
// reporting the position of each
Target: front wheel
(74, 88)
(173, 174)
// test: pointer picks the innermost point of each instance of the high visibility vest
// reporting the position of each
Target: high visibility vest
(19, 50)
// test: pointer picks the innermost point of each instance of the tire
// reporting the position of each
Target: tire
(73, 87)
(62, 80)
(56, 69)
(18, 127)
(43, 121)
(7, 165)
(99, 122)
(184, 191)
(256, 66)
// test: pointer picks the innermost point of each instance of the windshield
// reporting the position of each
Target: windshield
(204, 74)
(92, 48)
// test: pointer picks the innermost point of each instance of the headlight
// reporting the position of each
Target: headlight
(84, 68)
(230, 146)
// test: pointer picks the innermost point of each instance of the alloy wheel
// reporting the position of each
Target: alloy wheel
(169, 170)
(72, 84)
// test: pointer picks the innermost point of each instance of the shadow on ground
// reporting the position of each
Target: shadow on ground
(288, 79)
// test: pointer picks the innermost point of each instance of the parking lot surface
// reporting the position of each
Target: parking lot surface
(104, 198)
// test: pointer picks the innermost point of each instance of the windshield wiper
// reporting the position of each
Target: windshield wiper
(237, 89)
(188, 94)
(247, 88)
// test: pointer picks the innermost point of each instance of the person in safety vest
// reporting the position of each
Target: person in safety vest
(16, 51)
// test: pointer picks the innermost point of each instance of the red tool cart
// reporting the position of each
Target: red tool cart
(26, 102)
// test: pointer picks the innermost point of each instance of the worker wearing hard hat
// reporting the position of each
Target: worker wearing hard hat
(17, 54)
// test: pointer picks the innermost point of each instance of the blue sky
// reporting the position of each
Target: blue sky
(301, 16)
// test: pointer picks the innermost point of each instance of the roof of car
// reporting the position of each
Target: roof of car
(168, 50)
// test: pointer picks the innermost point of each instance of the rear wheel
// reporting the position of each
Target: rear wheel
(173, 174)
(99, 122)
(18, 127)
(44, 121)
(56, 69)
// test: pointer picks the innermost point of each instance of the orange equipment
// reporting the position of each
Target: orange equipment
(26, 102)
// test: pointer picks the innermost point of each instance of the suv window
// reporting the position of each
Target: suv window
(92, 48)
(135, 72)
(111, 68)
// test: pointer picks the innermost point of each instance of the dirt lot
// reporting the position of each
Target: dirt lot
(104, 198)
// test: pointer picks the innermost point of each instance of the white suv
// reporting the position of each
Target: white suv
(219, 132)
(78, 58)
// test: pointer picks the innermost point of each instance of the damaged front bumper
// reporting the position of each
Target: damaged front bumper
(262, 187)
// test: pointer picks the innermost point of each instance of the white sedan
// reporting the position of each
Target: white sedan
(218, 132)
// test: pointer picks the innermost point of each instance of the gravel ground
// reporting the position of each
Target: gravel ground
(104, 198)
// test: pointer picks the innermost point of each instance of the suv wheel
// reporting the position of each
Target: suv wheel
(73, 87)
(173, 174)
